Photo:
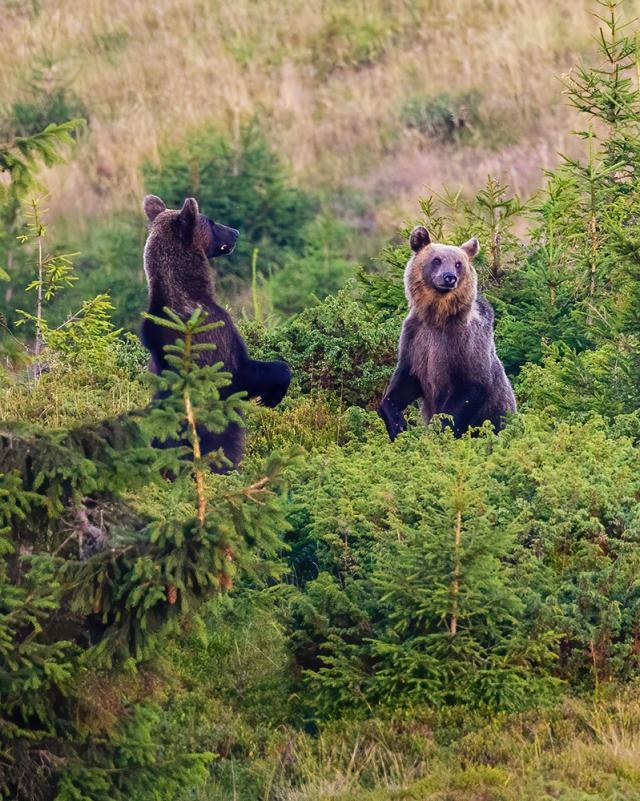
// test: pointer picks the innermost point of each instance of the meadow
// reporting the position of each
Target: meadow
(342, 618)
(378, 98)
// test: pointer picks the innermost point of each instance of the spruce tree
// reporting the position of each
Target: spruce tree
(89, 578)
(457, 631)
(433, 606)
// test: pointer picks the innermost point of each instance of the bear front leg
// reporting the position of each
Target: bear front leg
(268, 381)
(464, 405)
(403, 389)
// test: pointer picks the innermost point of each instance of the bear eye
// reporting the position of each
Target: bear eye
(437, 261)
(458, 265)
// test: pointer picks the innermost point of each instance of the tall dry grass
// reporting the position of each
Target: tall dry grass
(327, 79)
(579, 750)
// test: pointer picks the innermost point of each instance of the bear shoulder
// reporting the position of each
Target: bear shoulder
(484, 310)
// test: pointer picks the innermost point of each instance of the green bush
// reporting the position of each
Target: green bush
(338, 344)
(318, 270)
(574, 385)
(511, 535)
(90, 579)
(57, 105)
(47, 99)
(110, 260)
(88, 386)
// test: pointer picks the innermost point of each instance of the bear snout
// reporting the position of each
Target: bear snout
(232, 234)
(224, 240)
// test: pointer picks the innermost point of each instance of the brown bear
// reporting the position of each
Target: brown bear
(179, 276)
(447, 356)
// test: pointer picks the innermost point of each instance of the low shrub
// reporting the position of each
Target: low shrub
(446, 117)
(337, 345)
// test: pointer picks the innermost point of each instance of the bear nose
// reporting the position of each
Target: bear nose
(449, 279)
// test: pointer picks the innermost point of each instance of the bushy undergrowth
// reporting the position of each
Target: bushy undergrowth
(337, 344)
(433, 618)
(320, 268)
(88, 387)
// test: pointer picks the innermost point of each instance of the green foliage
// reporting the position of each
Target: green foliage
(580, 749)
(491, 215)
(46, 100)
(94, 379)
(33, 669)
(52, 273)
(90, 330)
(457, 631)
(608, 92)
(110, 263)
(108, 260)
(89, 581)
(20, 155)
(238, 183)
(507, 535)
(337, 344)
(602, 381)
(318, 270)
(312, 422)
(582, 254)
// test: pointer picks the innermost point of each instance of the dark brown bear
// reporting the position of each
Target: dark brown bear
(447, 357)
(179, 276)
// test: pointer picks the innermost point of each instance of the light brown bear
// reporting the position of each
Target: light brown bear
(447, 357)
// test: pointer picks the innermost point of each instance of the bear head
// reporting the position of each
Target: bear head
(190, 228)
(440, 280)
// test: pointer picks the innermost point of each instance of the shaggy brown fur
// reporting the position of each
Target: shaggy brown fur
(179, 276)
(439, 308)
(447, 356)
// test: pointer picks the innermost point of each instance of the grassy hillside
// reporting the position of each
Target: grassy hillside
(355, 96)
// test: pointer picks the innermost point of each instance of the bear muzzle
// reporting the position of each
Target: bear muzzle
(223, 240)
(448, 281)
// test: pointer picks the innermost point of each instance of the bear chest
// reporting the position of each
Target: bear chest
(440, 358)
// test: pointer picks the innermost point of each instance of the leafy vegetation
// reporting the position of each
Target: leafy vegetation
(341, 618)
(90, 580)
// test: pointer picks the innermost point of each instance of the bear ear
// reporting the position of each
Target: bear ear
(419, 238)
(153, 205)
(187, 219)
(471, 248)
